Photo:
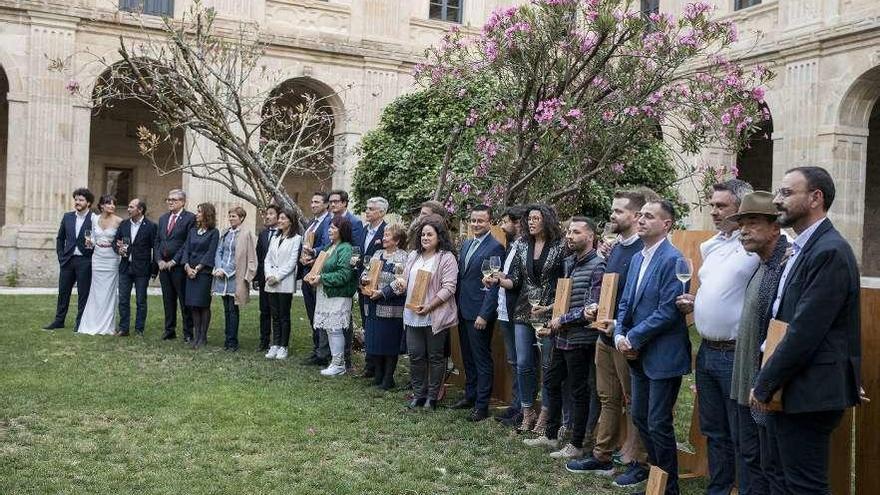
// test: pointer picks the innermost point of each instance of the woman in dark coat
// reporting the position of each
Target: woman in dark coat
(197, 258)
(384, 312)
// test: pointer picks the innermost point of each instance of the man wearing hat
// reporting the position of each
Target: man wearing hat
(759, 234)
(724, 274)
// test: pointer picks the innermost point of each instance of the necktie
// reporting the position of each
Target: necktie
(171, 223)
(471, 250)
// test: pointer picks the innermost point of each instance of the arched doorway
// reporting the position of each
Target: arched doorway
(282, 127)
(115, 164)
(4, 133)
(755, 163)
(871, 227)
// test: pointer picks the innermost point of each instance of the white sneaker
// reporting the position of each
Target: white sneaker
(333, 370)
(282, 353)
(273, 351)
(542, 441)
(567, 452)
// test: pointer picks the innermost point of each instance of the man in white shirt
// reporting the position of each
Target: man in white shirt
(725, 273)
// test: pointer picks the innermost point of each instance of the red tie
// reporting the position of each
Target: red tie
(171, 224)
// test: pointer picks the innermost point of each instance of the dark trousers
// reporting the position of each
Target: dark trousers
(427, 362)
(748, 444)
(201, 322)
(309, 300)
(771, 464)
(804, 446)
(173, 282)
(126, 281)
(572, 366)
(476, 352)
(231, 317)
(652, 405)
(265, 319)
(280, 307)
(369, 359)
(77, 271)
(718, 421)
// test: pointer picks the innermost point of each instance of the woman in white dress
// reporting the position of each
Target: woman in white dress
(99, 315)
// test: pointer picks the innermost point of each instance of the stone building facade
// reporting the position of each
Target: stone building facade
(823, 102)
(359, 53)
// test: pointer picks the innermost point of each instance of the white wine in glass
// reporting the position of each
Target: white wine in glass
(486, 268)
(684, 270)
(608, 234)
(494, 264)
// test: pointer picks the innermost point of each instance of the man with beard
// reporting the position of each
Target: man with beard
(818, 361)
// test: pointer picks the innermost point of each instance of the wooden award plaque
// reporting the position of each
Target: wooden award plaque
(309, 241)
(563, 297)
(775, 334)
(419, 290)
(318, 266)
(607, 300)
(373, 274)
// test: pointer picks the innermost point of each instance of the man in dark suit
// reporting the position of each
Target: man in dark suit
(74, 257)
(652, 334)
(173, 228)
(318, 233)
(477, 310)
(370, 242)
(135, 241)
(817, 364)
(270, 220)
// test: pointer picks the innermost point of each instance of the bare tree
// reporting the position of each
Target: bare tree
(198, 78)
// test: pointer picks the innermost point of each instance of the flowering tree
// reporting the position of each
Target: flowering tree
(192, 78)
(580, 86)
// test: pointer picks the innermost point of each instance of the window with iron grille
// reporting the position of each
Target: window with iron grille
(148, 7)
(742, 4)
(650, 7)
(445, 10)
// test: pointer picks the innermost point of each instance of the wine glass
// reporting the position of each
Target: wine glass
(367, 259)
(355, 255)
(684, 270)
(486, 268)
(87, 238)
(495, 264)
(126, 243)
(608, 234)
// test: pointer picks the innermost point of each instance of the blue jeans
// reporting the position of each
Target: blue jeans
(140, 297)
(476, 350)
(508, 332)
(652, 405)
(526, 360)
(718, 421)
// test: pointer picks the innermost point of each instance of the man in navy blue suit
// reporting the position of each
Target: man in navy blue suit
(318, 232)
(135, 241)
(270, 220)
(652, 334)
(74, 257)
(370, 242)
(477, 310)
(173, 228)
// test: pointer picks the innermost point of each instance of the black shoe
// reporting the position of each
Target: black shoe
(122, 334)
(513, 421)
(53, 326)
(387, 385)
(431, 404)
(169, 336)
(507, 414)
(416, 403)
(478, 415)
(462, 404)
(139, 333)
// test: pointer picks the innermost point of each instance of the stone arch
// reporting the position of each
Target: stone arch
(288, 94)
(115, 163)
(857, 162)
(755, 163)
(11, 74)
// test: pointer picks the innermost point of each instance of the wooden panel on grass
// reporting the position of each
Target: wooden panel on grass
(563, 297)
(656, 481)
(775, 334)
(868, 415)
(419, 290)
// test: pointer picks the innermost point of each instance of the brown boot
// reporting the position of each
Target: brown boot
(529, 416)
(541, 423)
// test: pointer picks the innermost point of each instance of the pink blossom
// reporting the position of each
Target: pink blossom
(617, 168)
(465, 188)
(758, 95)
(574, 113)
(689, 39)
(518, 27)
(696, 9)
(607, 115)
(732, 80)
(491, 50)
(72, 86)
(725, 118)
(588, 41)
(472, 118)
(631, 111)
(547, 110)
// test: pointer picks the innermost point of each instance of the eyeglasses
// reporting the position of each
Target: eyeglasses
(786, 192)
(335, 201)
(172, 200)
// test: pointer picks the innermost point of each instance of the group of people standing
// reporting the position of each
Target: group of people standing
(592, 369)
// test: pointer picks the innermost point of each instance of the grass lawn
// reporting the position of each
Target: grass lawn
(83, 414)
